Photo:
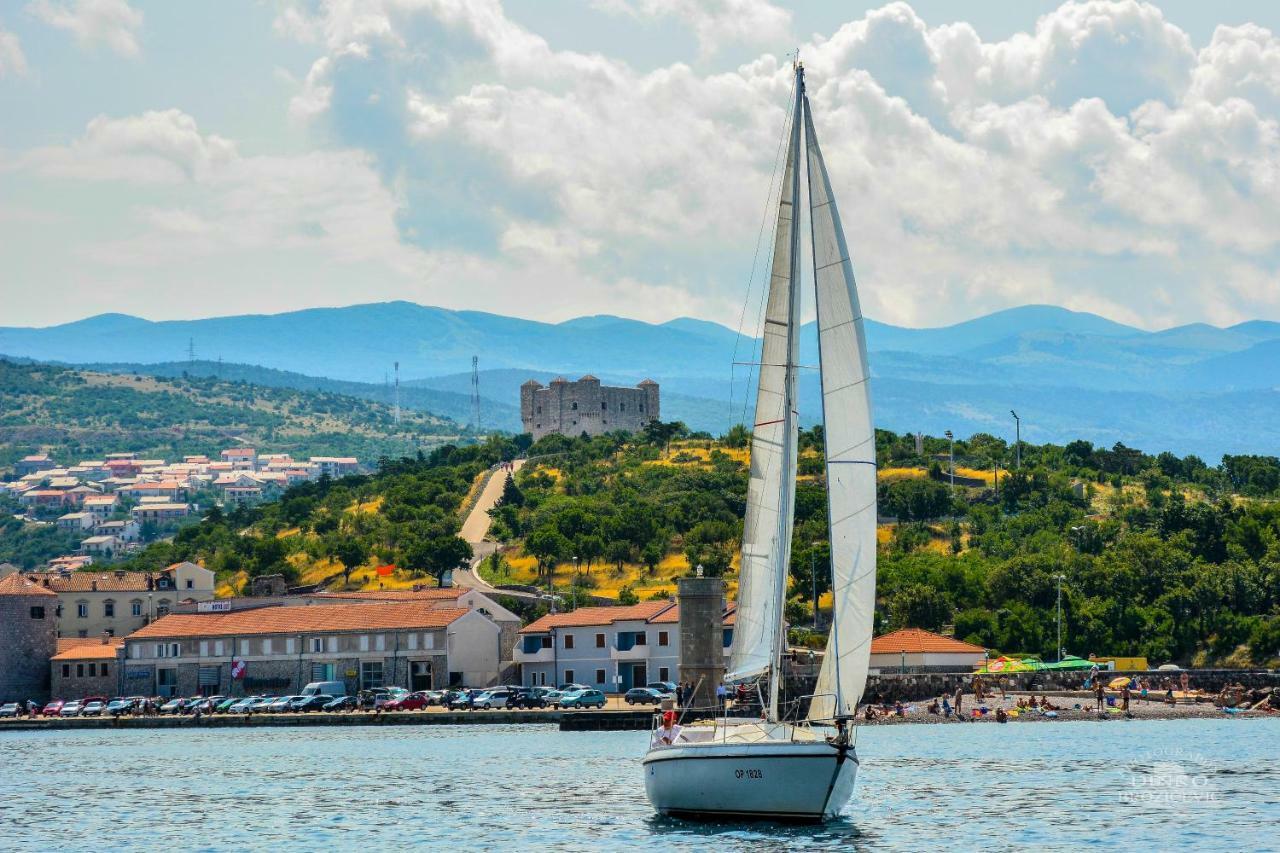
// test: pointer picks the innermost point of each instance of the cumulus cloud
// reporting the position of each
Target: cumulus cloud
(714, 22)
(111, 22)
(12, 60)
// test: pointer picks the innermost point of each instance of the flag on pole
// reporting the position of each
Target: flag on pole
(237, 668)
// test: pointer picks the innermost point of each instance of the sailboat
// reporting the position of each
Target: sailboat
(783, 767)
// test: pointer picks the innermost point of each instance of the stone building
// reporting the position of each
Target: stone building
(572, 408)
(86, 667)
(93, 603)
(411, 644)
(28, 638)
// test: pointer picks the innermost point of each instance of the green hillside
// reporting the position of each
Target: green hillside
(78, 414)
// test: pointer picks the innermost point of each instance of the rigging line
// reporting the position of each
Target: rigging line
(764, 218)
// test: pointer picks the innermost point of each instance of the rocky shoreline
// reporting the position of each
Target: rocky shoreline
(1070, 705)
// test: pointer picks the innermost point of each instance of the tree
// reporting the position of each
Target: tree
(589, 548)
(436, 555)
(511, 494)
(548, 545)
(737, 437)
(627, 596)
(351, 551)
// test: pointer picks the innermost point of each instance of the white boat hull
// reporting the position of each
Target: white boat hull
(776, 780)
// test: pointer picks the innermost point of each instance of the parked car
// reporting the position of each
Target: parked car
(204, 704)
(643, 696)
(173, 706)
(663, 686)
(490, 699)
(225, 705)
(464, 699)
(314, 702)
(526, 697)
(92, 708)
(552, 698)
(284, 703)
(9, 709)
(412, 702)
(342, 703)
(119, 705)
(71, 709)
(565, 688)
(437, 697)
(582, 699)
(53, 709)
(239, 706)
(262, 703)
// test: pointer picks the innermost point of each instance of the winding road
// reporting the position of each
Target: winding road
(474, 529)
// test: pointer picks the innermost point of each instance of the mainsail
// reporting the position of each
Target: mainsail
(850, 449)
(766, 537)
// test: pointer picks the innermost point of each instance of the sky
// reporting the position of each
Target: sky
(552, 159)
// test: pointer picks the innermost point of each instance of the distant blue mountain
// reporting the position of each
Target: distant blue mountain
(1194, 388)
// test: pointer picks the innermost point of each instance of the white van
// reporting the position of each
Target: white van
(328, 688)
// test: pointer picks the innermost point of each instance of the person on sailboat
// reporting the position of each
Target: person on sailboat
(668, 732)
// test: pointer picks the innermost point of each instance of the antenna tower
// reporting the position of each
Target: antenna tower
(397, 404)
(191, 350)
(475, 393)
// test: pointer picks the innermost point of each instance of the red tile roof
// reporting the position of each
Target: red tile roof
(585, 616)
(16, 584)
(294, 620)
(106, 582)
(87, 648)
(672, 616)
(917, 640)
(429, 594)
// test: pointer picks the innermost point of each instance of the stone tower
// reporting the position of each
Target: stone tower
(28, 638)
(701, 637)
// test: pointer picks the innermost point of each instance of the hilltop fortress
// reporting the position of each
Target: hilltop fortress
(572, 408)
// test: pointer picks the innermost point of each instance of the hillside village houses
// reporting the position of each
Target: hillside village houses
(610, 648)
(114, 502)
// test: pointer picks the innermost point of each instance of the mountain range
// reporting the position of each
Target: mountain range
(1191, 389)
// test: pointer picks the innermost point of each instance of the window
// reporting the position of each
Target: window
(244, 648)
(109, 609)
(539, 410)
(604, 407)
(599, 641)
(66, 670)
(364, 642)
(217, 648)
(102, 670)
(642, 407)
(291, 645)
(640, 638)
(664, 639)
(191, 584)
(82, 609)
(175, 649)
(79, 670)
(600, 676)
(204, 648)
(380, 641)
(135, 607)
(412, 641)
(546, 642)
(317, 644)
(162, 609)
(266, 646)
(568, 676)
(622, 407)
(663, 673)
(333, 644)
(37, 613)
(429, 641)
(568, 641)
(93, 670)
(574, 407)
(83, 632)
(370, 674)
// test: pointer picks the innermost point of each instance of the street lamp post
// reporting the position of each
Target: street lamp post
(1017, 452)
(1059, 577)
(951, 458)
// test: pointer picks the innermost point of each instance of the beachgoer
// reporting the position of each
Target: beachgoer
(668, 732)
(959, 702)
(1124, 699)
(946, 706)
(1001, 716)
(869, 713)
(933, 707)
(1100, 694)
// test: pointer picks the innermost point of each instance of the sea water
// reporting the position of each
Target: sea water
(1191, 784)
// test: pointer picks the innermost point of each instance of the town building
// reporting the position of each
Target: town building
(35, 462)
(76, 522)
(160, 514)
(334, 467)
(27, 638)
(918, 650)
(411, 644)
(104, 546)
(116, 603)
(241, 458)
(86, 667)
(610, 648)
(126, 530)
(572, 408)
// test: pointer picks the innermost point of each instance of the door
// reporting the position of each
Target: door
(639, 675)
(420, 675)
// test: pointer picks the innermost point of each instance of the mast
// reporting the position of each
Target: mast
(766, 539)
